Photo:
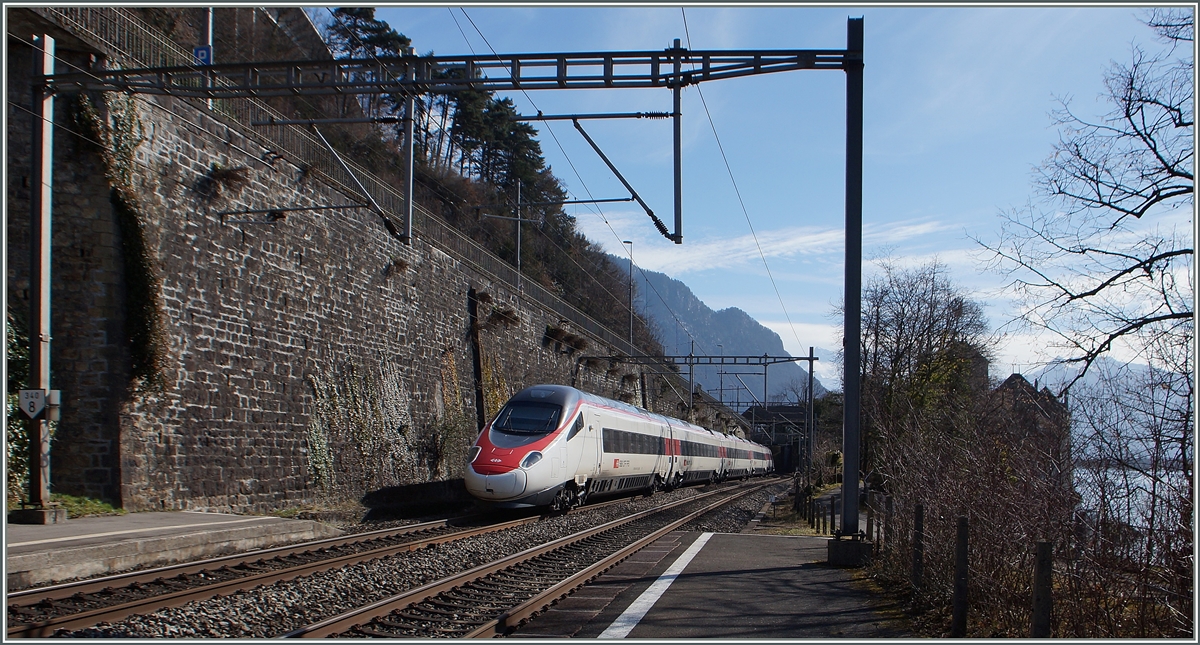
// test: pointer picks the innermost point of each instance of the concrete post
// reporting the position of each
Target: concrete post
(40, 209)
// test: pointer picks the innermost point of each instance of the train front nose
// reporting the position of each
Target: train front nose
(495, 486)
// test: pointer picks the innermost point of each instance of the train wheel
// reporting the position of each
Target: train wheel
(563, 500)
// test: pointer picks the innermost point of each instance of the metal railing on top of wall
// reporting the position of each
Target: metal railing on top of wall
(127, 39)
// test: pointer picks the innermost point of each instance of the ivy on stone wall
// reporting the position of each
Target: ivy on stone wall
(16, 425)
(495, 388)
(118, 137)
(455, 434)
(361, 436)
(16, 436)
(451, 395)
(320, 459)
(456, 430)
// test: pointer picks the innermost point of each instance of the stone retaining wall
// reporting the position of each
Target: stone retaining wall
(307, 357)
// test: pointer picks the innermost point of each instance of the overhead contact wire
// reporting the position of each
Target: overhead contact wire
(741, 202)
(573, 169)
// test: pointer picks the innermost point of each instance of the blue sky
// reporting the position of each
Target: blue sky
(956, 117)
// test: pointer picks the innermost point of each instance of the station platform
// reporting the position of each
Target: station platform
(743, 585)
(38, 554)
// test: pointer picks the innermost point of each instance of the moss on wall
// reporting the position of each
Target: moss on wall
(118, 135)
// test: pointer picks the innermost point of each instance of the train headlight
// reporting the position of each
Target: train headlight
(475, 450)
(531, 459)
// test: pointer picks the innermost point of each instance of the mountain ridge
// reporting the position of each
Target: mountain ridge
(663, 300)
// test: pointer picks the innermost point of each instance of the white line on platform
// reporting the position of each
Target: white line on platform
(155, 528)
(625, 623)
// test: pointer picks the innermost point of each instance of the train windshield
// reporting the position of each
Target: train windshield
(526, 417)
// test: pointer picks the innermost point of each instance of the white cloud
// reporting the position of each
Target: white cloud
(811, 335)
(822, 244)
(903, 230)
(826, 338)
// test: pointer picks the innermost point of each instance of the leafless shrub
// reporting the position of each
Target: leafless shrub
(395, 267)
(575, 343)
(221, 180)
(503, 316)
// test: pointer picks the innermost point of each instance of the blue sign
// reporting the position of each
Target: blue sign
(203, 54)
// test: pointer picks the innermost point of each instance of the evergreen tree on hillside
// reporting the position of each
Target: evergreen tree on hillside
(474, 156)
(354, 32)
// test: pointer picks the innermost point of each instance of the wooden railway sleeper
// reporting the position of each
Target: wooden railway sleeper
(366, 630)
(424, 607)
(479, 600)
(473, 611)
(419, 627)
(436, 618)
(465, 595)
(441, 601)
(495, 582)
(499, 587)
(535, 578)
(535, 573)
(543, 567)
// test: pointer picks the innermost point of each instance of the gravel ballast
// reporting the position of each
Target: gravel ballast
(282, 607)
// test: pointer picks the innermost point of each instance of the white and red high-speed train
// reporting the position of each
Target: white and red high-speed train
(553, 445)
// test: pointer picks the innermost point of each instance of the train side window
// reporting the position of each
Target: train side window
(577, 427)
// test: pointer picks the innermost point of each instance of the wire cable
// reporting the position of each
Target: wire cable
(566, 156)
(745, 211)
(473, 52)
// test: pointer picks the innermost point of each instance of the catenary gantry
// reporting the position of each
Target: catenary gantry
(411, 75)
(442, 74)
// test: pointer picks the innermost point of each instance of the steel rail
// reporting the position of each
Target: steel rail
(68, 589)
(346, 621)
(225, 564)
(46, 628)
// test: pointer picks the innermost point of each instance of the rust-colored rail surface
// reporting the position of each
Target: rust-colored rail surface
(40, 612)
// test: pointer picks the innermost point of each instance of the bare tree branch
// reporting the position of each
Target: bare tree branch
(1107, 258)
(1171, 24)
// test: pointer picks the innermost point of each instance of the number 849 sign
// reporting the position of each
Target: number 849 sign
(33, 402)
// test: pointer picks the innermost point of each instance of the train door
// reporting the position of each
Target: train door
(581, 448)
(558, 459)
(671, 445)
(666, 463)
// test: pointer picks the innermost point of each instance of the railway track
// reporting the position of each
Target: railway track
(40, 612)
(254, 595)
(494, 598)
